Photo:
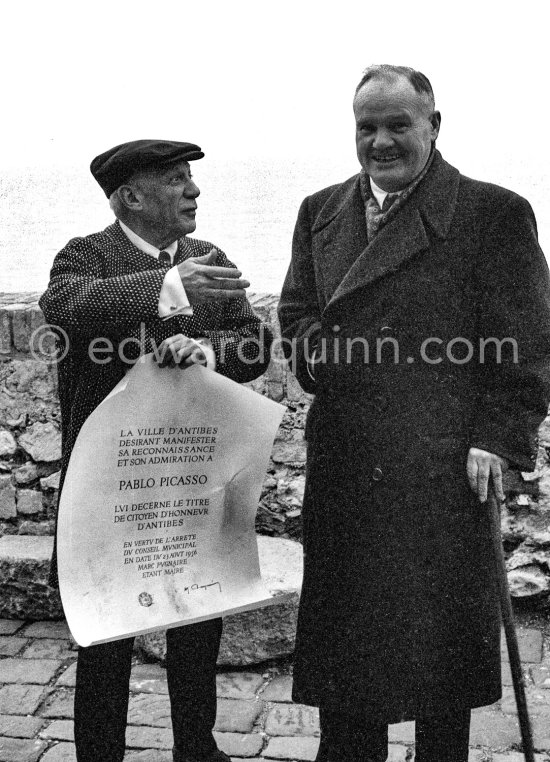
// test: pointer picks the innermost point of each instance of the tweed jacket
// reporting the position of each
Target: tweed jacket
(103, 289)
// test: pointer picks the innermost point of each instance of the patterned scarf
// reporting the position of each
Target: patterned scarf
(376, 218)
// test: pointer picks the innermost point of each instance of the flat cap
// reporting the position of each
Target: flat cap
(117, 165)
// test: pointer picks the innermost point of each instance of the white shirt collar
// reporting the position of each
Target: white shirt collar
(145, 246)
(379, 194)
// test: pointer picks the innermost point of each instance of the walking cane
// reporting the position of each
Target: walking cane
(510, 631)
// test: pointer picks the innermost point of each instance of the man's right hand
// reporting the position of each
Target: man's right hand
(204, 282)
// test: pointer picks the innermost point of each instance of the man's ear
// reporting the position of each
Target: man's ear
(435, 121)
(130, 198)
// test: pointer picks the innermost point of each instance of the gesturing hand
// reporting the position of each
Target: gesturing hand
(179, 350)
(204, 282)
(480, 467)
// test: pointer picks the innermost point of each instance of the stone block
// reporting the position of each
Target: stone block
(150, 709)
(292, 748)
(234, 716)
(10, 646)
(290, 452)
(29, 502)
(42, 441)
(292, 720)
(148, 678)
(492, 729)
(19, 727)
(10, 626)
(60, 704)
(59, 730)
(239, 744)
(21, 326)
(20, 749)
(255, 636)
(27, 473)
(238, 685)
(142, 737)
(5, 331)
(20, 699)
(61, 752)
(68, 678)
(8, 445)
(46, 648)
(50, 482)
(59, 630)
(33, 671)
(279, 689)
(149, 755)
(24, 568)
(8, 509)
(541, 676)
(528, 581)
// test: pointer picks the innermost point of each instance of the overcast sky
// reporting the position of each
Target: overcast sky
(273, 79)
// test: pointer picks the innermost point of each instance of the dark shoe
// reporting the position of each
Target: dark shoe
(215, 756)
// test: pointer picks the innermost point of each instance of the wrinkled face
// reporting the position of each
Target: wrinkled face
(395, 129)
(168, 201)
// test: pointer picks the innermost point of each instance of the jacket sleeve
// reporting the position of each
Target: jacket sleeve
(514, 329)
(299, 312)
(80, 300)
(241, 341)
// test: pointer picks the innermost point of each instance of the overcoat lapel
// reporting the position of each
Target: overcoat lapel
(133, 259)
(430, 209)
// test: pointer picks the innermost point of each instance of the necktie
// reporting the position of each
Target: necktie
(376, 216)
(388, 201)
(165, 259)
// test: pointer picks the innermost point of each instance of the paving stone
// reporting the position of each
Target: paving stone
(477, 755)
(20, 750)
(530, 645)
(19, 727)
(239, 685)
(29, 502)
(397, 753)
(516, 756)
(61, 752)
(68, 678)
(60, 704)
(538, 702)
(239, 744)
(292, 748)
(38, 671)
(279, 689)
(149, 755)
(234, 716)
(148, 678)
(59, 730)
(9, 626)
(541, 732)
(541, 676)
(142, 737)
(10, 646)
(292, 720)
(48, 648)
(499, 731)
(402, 732)
(149, 709)
(58, 630)
(20, 699)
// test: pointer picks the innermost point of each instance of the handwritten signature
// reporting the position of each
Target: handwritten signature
(195, 587)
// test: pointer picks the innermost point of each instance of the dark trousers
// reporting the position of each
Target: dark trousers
(102, 693)
(352, 739)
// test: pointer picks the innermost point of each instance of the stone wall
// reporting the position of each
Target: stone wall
(30, 449)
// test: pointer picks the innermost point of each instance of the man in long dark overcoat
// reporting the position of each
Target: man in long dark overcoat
(417, 309)
(143, 284)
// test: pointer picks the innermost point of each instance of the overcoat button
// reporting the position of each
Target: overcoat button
(377, 474)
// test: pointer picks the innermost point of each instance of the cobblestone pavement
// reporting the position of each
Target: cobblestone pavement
(256, 719)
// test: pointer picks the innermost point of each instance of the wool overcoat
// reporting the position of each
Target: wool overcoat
(104, 292)
(399, 610)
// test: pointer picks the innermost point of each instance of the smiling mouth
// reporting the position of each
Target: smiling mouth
(385, 159)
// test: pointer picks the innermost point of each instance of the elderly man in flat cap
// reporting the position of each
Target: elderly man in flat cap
(142, 280)
(417, 310)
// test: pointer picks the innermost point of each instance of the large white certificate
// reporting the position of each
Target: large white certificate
(156, 516)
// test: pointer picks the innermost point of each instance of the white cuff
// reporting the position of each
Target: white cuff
(173, 299)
